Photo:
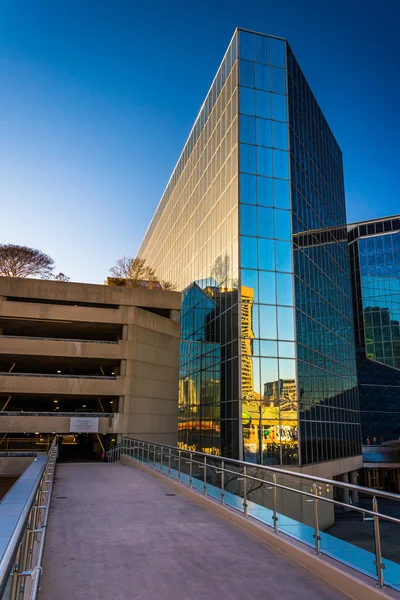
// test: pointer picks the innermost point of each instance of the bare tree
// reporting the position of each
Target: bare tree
(133, 272)
(21, 261)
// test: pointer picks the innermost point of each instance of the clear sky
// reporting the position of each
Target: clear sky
(97, 99)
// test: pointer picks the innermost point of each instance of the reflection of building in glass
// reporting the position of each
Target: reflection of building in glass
(375, 262)
(261, 168)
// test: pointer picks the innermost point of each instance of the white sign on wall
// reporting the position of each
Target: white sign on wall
(84, 425)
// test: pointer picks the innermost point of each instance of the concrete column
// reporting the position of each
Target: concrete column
(174, 315)
(125, 332)
(345, 493)
(354, 481)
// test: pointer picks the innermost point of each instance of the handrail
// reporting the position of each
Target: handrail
(16, 562)
(25, 413)
(59, 375)
(160, 457)
(279, 471)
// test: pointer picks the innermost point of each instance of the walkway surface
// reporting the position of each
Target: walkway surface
(117, 533)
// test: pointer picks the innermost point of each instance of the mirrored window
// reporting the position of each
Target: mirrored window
(280, 135)
(286, 350)
(248, 158)
(281, 193)
(248, 188)
(282, 224)
(281, 164)
(285, 323)
(247, 129)
(265, 222)
(284, 284)
(264, 191)
(278, 52)
(267, 321)
(263, 49)
(268, 348)
(247, 73)
(263, 104)
(266, 254)
(246, 42)
(287, 369)
(263, 77)
(248, 219)
(248, 252)
(278, 80)
(269, 371)
(247, 101)
(264, 132)
(267, 294)
(283, 256)
(264, 161)
(279, 108)
(250, 280)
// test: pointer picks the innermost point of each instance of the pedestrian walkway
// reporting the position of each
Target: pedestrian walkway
(116, 533)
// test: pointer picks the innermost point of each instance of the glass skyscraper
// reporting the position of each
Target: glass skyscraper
(375, 260)
(252, 229)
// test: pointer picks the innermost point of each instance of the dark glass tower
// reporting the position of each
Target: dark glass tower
(375, 261)
(252, 227)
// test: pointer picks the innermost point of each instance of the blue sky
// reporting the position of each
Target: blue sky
(97, 99)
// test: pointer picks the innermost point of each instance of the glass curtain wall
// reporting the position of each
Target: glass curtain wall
(268, 374)
(327, 378)
(193, 242)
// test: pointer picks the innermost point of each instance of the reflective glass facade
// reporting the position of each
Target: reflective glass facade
(375, 259)
(267, 356)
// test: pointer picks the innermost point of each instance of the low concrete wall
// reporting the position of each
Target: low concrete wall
(14, 466)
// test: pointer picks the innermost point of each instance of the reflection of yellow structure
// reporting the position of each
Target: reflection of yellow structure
(247, 342)
(187, 392)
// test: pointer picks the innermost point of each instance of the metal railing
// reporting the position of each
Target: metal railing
(54, 413)
(56, 339)
(36, 444)
(59, 376)
(197, 470)
(21, 563)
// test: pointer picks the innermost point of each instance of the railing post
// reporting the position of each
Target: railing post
(161, 459)
(317, 537)
(275, 518)
(169, 462)
(148, 454)
(378, 550)
(179, 465)
(245, 491)
(143, 453)
(190, 469)
(205, 476)
(223, 482)
(154, 457)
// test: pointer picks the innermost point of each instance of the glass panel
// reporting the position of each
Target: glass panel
(247, 101)
(247, 72)
(263, 49)
(268, 348)
(267, 321)
(264, 161)
(248, 158)
(282, 193)
(278, 80)
(278, 52)
(263, 77)
(280, 135)
(250, 280)
(263, 104)
(283, 256)
(285, 323)
(287, 369)
(247, 129)
(282, 224)
(248, 189)
(248, 249)
(286, 350)
(265, 222)
(267, 287)
(264, 191)
(246, 42)
(264, 132)
(266, 254)
(279, 108)
(248, 219)
(281, 164)
(284, 284)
